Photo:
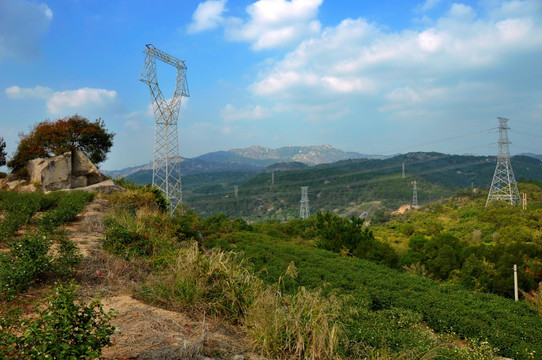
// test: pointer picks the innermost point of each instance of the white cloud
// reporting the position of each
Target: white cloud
(66, 101)
(514, 29)
(39, 92)
(460, 11)
(22, 23)
(360, 58)
(231, 114)
(75, 100)
(270, 23)
(429, 40)
(207, 16)
(428, 5)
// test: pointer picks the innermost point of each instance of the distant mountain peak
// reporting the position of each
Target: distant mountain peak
(310, 155)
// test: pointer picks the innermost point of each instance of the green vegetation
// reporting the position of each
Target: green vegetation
(461, 241)
(428, 283)
(331, 287)
(61, 327)
(350, 187)
(378, 292)
(65, 329)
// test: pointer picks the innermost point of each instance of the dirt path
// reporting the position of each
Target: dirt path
(144, 331)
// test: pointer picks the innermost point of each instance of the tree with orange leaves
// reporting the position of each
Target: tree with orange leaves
(52, 138)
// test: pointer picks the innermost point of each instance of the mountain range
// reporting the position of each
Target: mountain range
(253, 158)
(342, 182)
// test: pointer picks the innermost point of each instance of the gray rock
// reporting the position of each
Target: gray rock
(71, 170)
(82, 166)
(108, 186)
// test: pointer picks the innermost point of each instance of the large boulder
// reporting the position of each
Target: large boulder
(70, 170)
(52, 173)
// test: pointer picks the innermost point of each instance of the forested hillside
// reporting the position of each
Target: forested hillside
(350, 187)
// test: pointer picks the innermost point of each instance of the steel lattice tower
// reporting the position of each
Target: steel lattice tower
(503, 186)
(304, 209)
(166, 174)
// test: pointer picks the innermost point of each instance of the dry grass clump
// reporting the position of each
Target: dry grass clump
(107, 274)
(300, 326)
(218, 283)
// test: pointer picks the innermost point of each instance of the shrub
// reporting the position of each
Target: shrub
(127, 243)
(25, 264)
(28, 262)
(69, 205)
(140, 196)
(66, 329)
(348, 235)
(512, 327)
(19, 208)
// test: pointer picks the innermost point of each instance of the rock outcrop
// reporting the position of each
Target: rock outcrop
(71, 170)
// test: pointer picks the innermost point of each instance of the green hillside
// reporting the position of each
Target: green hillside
(352, 187)
(429, 283)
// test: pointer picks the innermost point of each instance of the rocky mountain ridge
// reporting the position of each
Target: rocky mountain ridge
(256, 157)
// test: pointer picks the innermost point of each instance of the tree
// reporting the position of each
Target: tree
(52, 138)
(2, 152)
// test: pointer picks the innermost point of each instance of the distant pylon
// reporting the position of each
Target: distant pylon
(503, 186)
(403, 170)
(273, 178)
(414, 195)
(304, 210)
(235, 190)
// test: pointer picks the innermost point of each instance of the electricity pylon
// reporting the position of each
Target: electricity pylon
(304, 208)
(503, 186)
(166, 169)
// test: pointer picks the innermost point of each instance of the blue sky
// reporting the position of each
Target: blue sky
(376, 77)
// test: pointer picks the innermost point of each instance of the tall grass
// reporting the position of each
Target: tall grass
(300, 326)
(218, 283)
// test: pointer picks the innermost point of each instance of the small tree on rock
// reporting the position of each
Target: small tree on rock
(53, 138)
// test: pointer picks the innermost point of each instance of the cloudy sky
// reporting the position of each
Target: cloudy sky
(376, 77)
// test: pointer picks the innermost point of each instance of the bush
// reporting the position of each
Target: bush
(25, 264)
(66, 329)
(19, 208)
(127, 243)
(140, 196)
(28, 263)
(69, 205)
(348, 235)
